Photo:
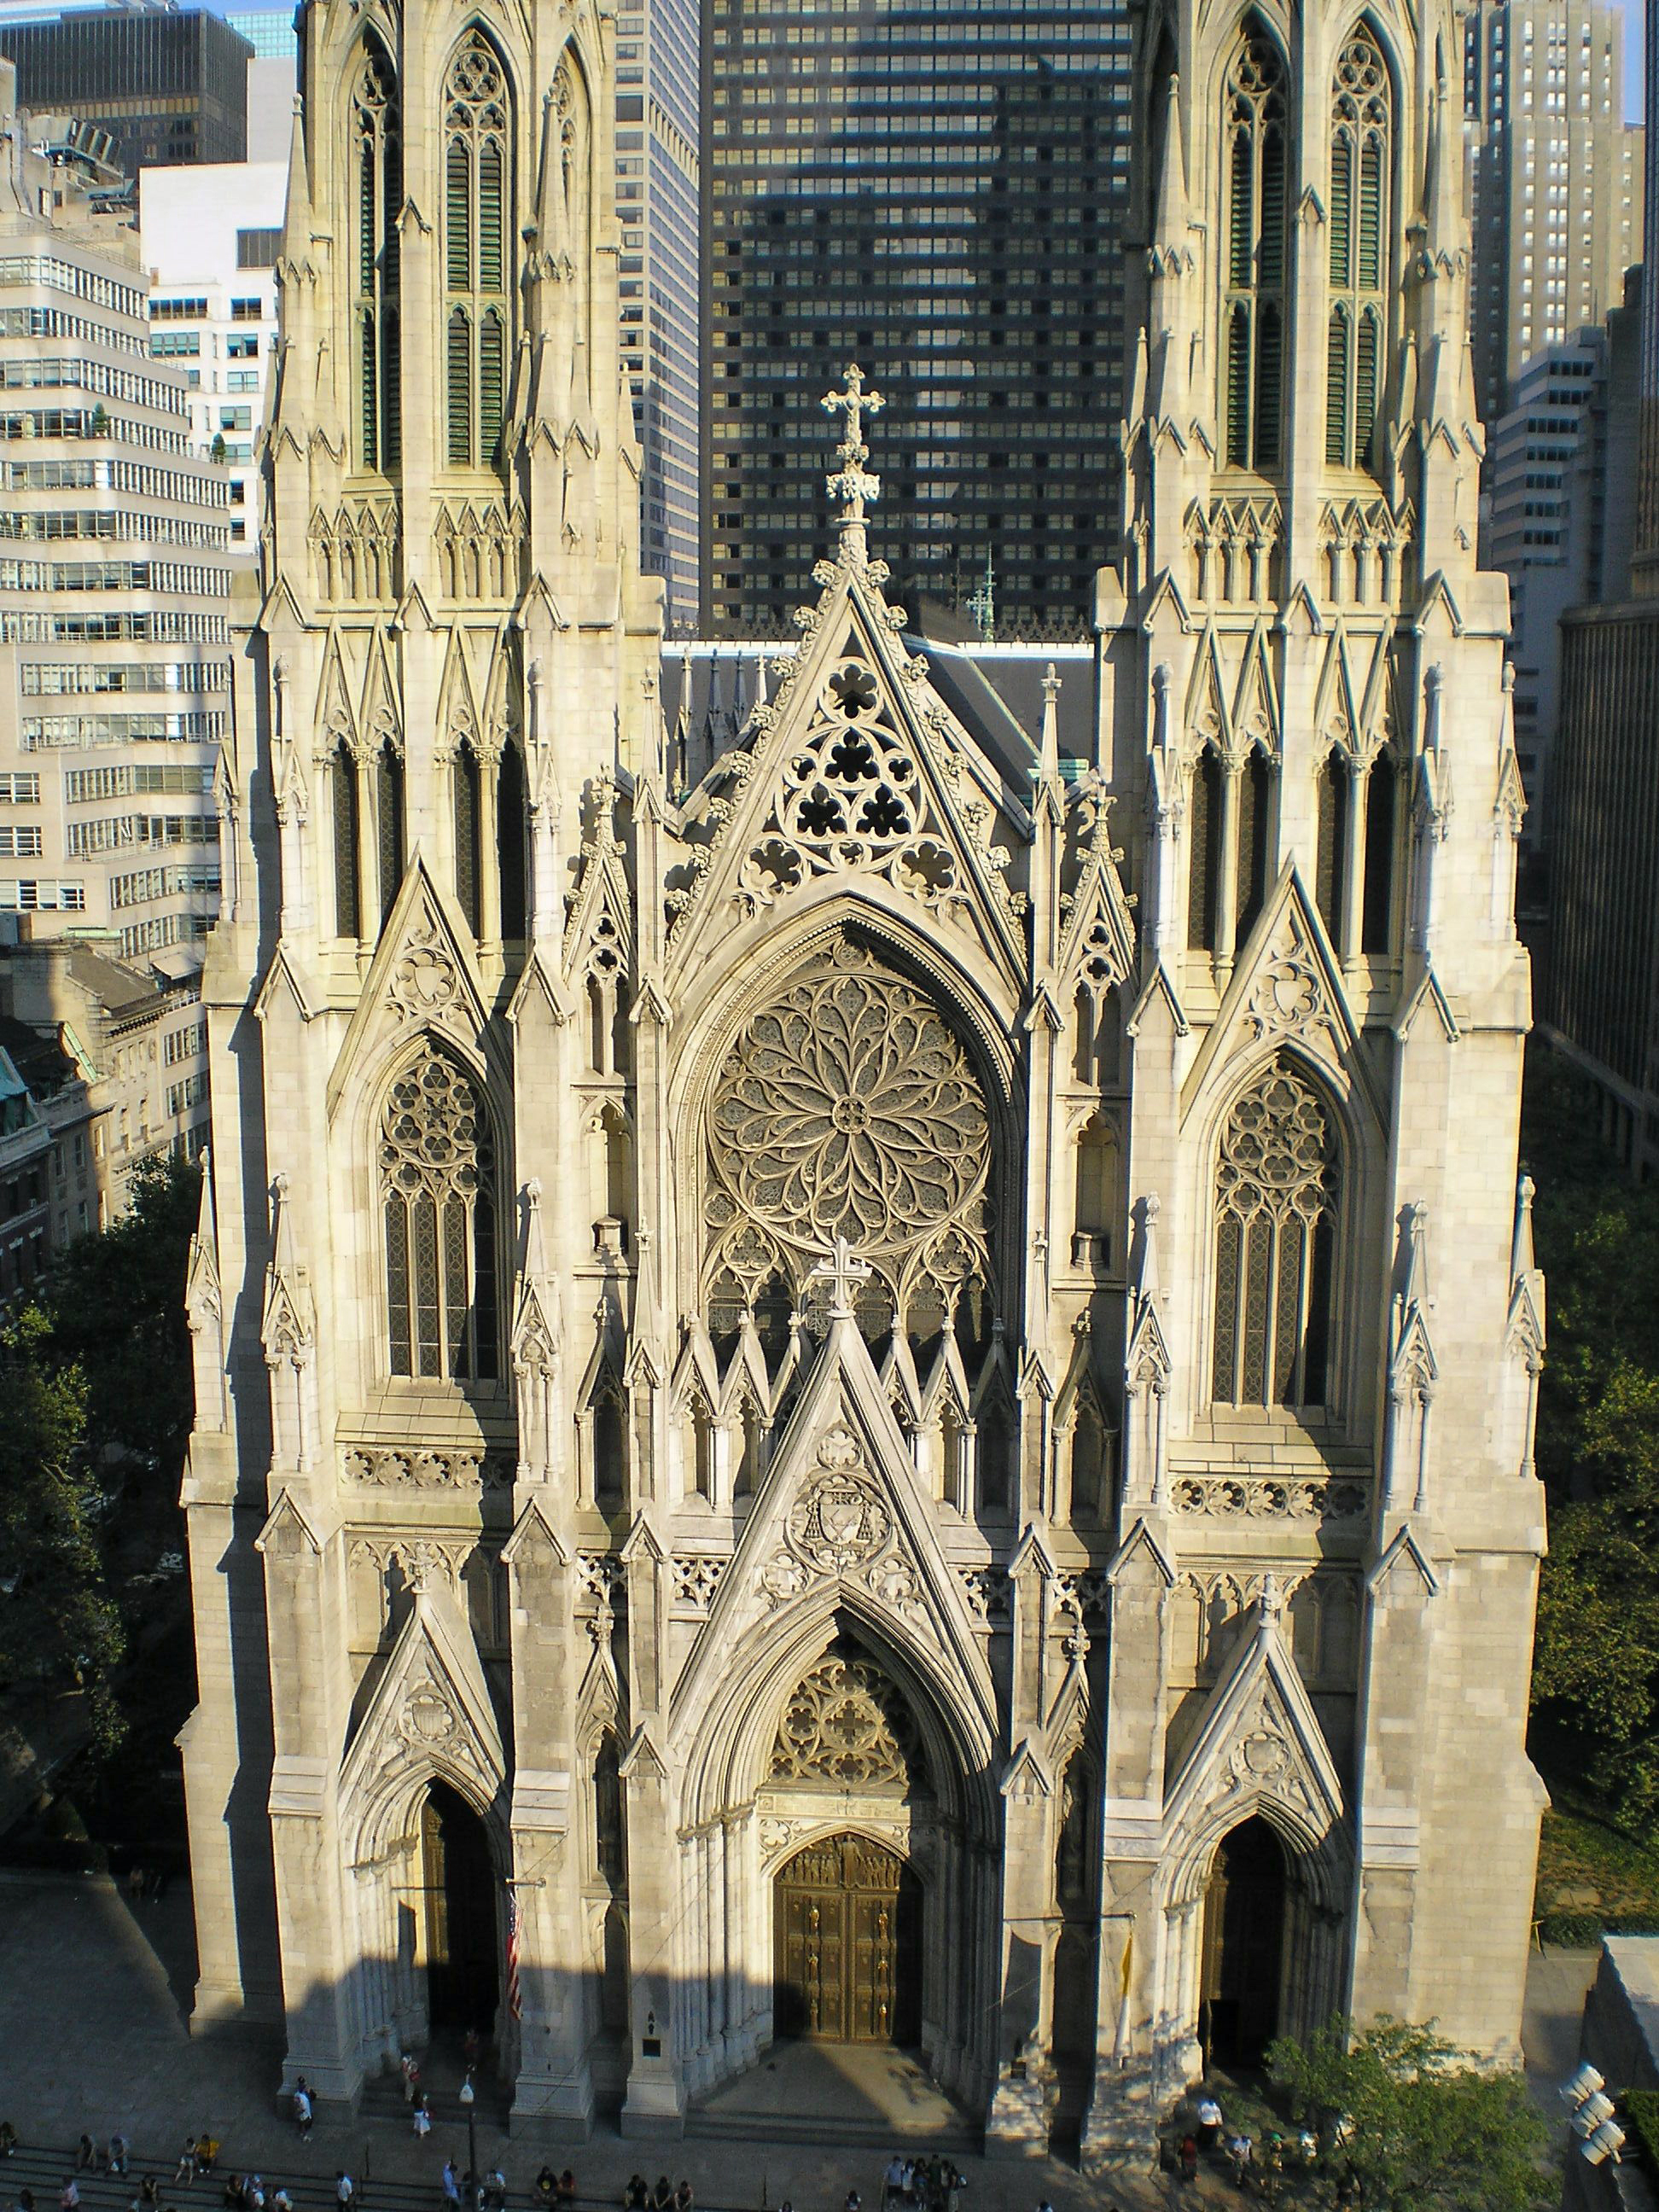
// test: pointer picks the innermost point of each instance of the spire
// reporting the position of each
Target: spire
(852, 483)
(296, 215)
(1169, 225)
(1443, 208)
(1049, 752)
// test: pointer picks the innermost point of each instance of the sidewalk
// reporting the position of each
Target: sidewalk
(93, 1998)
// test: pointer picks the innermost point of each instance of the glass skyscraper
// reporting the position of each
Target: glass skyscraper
(937, 191)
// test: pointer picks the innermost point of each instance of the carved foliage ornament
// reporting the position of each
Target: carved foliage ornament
(846, 1107)
(847, 1727)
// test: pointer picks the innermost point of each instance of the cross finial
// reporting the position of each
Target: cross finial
(843, 1270)
(851, 483)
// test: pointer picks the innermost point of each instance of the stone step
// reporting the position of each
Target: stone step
(824, 2129)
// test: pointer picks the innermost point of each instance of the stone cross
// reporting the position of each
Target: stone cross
(853, 484)
(843, 1270)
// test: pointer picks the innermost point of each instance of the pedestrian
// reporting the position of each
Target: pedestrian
(638, 2198)
(423, 2120)
(1189, 2158)
(8, 2139)
(68, 2197)
(662, 2199)
(149, 2192)
(547, 2183)
(682, 2198)
(566, 2187)
(26, 2200)
(411, 2074)
(303, 2109)
(253, 2195)
(452, 2183)
(280, 2200)
(1241, 2153)
(207, 2150)
(186, 2167)
(117, 2153)
(345, 2193)
(86, 2157)
(892, 2181)
(1209, 2122)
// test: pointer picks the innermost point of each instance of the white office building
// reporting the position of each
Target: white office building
(210, 235)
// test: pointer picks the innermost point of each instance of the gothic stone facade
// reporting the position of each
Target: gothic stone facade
(882, 1384)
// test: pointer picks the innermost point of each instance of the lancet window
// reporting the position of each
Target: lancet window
(389, 822)
(346, 817)
(438, 1207)
(1361, 138)
(1277, 1193)
(1229, 826)
(377, 160)
(465, 780)
(1253, 128)
(1354, 866)
(477, 263)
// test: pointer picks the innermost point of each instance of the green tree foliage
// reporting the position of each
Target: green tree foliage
(1411, 2124)
(1596, 1677)
(59, 1627)
(116, 1306)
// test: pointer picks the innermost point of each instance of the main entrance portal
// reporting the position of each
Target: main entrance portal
(1243, 1946)
(463, 1978)
(848, 1958)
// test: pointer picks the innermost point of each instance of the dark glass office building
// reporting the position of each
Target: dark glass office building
(939, 190)
(167, 88)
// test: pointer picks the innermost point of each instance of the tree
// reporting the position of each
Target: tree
(59, 1627)
(115, 1302)
(1417, 2125)
(1595, 1676)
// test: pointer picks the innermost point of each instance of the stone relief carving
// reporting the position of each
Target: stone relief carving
(1271, 1498)
(839, 1519)
(423, 983)
(385, 1466)
(986, 1592)
(696, 1578)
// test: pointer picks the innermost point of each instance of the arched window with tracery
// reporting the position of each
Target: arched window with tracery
(1277, 1193)
(345, 814)
(477, 221)
(1255, 167)
(378, 166)
(1204, 856)
(389, 822)
(438, 1207)
(1361, 139)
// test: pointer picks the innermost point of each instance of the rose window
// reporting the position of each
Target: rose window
(847, 1107)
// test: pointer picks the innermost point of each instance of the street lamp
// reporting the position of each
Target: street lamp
(468, 2097)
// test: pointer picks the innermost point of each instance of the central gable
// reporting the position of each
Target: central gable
(853, 777)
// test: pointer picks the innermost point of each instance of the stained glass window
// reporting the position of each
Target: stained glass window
(1277, 1193)
(439, 1203)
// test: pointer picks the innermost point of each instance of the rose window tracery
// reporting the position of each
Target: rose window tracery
(846, 1727)
(847, 1107)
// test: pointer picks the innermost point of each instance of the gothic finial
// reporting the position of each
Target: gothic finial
(1521, 1257)
(1169, 232)
(852, 483)
(1049, 753)
(1272, 1605)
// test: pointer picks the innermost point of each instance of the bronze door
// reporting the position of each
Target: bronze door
(848, 1950)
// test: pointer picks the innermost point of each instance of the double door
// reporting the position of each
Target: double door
(849, 1949)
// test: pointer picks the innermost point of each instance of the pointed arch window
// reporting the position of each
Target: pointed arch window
(1361, 155)
(465, 792)
(1382, 792)
(1331, 864)
(510, 840)
(477, 222)
(1204, 858)
(346, 816)
(1277, 1193)
(438, 1201)
(389, 822)
(378, 178)
(1255, 170)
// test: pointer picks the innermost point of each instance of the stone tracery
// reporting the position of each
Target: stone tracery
(847, 1107)
(847, 1726)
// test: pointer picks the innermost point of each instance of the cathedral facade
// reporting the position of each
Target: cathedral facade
(875, 1383)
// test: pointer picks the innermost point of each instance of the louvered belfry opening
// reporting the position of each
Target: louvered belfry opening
(1361, 130)
(377, 133)
(477, 305)
(1253, 133)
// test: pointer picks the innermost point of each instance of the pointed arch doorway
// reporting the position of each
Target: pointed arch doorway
(1243, 1956)
(457, 1877)
(849, 1956)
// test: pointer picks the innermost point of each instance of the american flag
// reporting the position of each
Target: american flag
(513, 2001)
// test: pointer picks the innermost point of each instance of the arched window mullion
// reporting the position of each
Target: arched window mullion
(437, 1179)
(377, 138)
(1254, 123)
